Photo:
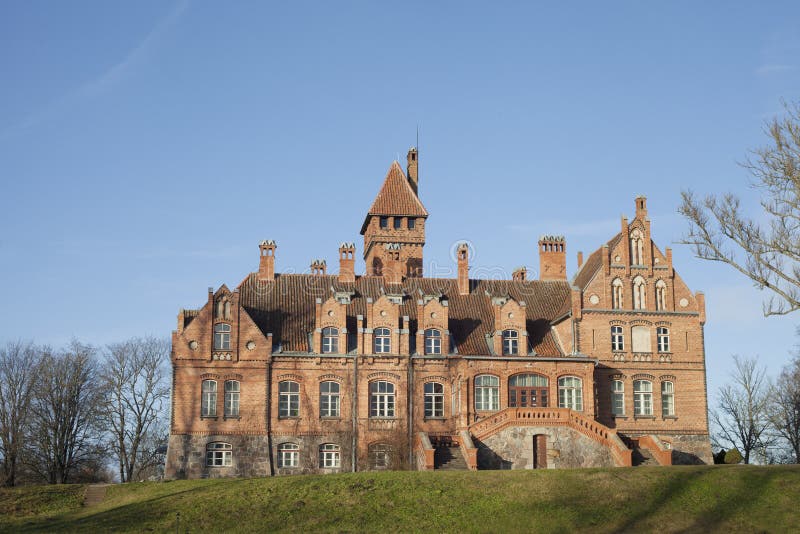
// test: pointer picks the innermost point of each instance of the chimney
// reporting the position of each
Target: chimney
(552, 258)
(641, 207)
(520, 274)
(411, 169)
(266, 265)
(319, 267)
(393, 271)
(580, 259)
(347, 262)
(462, 253)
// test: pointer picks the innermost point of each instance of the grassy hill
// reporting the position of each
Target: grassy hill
(701, 499)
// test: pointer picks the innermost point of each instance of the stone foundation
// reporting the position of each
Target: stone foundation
(186, 457)
(513, 448)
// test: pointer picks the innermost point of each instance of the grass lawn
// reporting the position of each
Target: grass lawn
(698, 499)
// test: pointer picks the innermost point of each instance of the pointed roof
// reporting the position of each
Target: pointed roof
(396, 197)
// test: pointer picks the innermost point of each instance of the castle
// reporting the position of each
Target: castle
(319, 372)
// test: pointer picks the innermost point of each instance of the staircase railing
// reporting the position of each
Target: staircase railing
(424, 452)
(660, 452)
(469, 451)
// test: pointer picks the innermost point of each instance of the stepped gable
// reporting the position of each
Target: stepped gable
(286, 307)
(396, 197)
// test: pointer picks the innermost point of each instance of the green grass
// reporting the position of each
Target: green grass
(695, 499)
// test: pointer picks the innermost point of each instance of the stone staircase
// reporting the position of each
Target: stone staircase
(449, 458)
(642, 456)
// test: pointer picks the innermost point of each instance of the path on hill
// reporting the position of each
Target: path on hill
(95, 493)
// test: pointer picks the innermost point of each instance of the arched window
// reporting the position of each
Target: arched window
(208, 401)
(381, 399)
(616, 294)
(667, 399)
(329, 399)
(329, 456)
(510, 342)
(527, 390)
(618, 397)
(661, 295)
(662, 337)
(570, 393)
(434, 399)
(289, 399)
(330, 340)
(232, 390)
(433, 341)
(288, 455)
(380, 456)
(383, 341)
(219, 454)
(617, 339)
(487, 393)
(639, 293)
(642, 397)
(637, 248)
(222, 336)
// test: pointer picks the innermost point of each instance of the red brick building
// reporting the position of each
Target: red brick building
(318, 372)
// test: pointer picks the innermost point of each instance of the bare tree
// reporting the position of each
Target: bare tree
(740, 419)
(64, 424)
(136, 391)
(19, 362)
(784, 409)
(768, 254)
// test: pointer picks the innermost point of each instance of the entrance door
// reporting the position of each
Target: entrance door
(540, 451)
(527, 391)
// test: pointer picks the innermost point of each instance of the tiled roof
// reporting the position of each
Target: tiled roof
(593, 264)
(396, 196)
(286, 307)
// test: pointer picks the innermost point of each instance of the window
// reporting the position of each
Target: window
(222, 336)
(219, 454)
(383, 343)
(640, 339)
(208, 402)
(667, 399)
(329, 455)
(232, 398)
(642, 397)
(616, 294)
(398, 223)
(380, 456)
(618, 397)
(384, 222)
(637, 248)
(639, 290)
(329, 399)
(288, 455)
(510, 343)
(570, 393)
(661, 295)
(433, 341)
(487, 392)
(527, 390)
(289, 399)
(330, 340)
(662, 337)
(617, 338)
(434, 399)
(412, 222)
(381, 399)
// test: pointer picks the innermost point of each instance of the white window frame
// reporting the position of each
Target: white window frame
(570, 393)
(222, 336)
(380, 456)
(208, 400)
(642, 398)
(434, 399)
(382, 341)
(381, 399)
(288, 399)
(617, 338)
(329, 399)
(330, 456)
(510, 342)
(330, 340)
(667, 399)
(487, 393)
(662, 338)
(433, 341)
(618, 397)
(288, 455)
(219, 454)
(233, 390)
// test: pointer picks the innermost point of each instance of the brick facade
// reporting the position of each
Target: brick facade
(326, 373)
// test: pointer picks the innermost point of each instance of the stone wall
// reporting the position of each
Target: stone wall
(186, 457)
(513, 448)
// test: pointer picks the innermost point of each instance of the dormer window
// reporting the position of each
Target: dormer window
(222, 336)
(330, 340)
(383, 341)
(433, 341)
(384, 222)
(398, 223)
(510, 343)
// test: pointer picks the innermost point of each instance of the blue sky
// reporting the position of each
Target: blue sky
(146, 148)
